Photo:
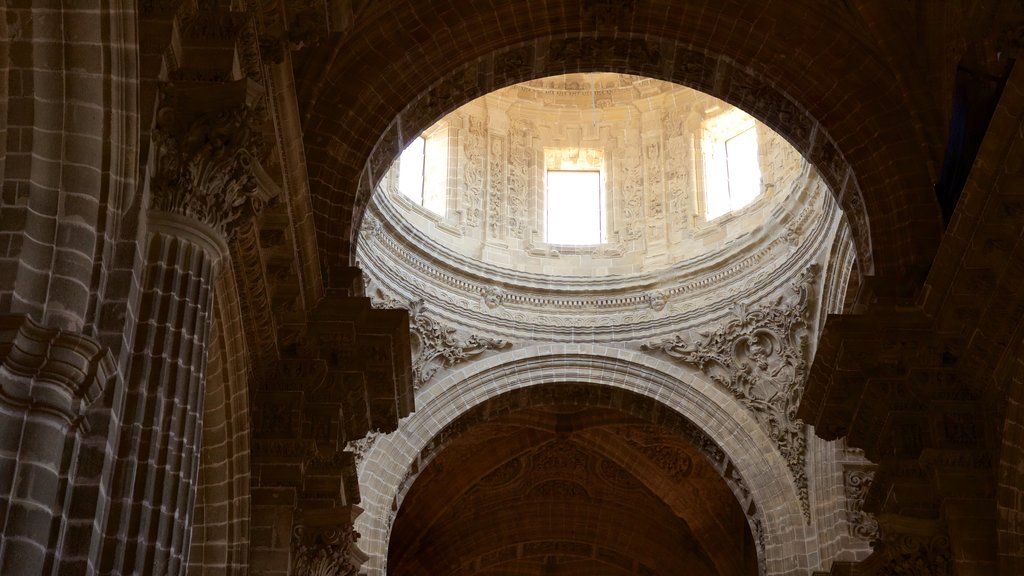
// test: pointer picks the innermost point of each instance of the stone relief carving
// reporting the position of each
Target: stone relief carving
(438, 345)
(657, 300)
(856, 484)
(915, 555)
(760, 356)
(206, 169)
(655, 210)
(474, 171)
(361, 447)
(496, 190)
(518, 177)
(493, 296)
(326, 552)
(632, 196)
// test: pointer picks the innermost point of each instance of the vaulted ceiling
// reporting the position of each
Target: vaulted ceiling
(561, 489)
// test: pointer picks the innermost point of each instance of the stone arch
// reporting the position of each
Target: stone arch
(392, 460)
(829, 119)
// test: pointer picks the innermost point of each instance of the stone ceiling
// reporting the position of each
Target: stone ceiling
(562, 489)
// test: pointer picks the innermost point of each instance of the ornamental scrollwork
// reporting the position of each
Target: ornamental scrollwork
(326, 552)
(915, 555)
(206, 169)
(761, 357)
(856, 485)
(439, 345)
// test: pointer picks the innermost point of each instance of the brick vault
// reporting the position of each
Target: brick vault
(224, 349)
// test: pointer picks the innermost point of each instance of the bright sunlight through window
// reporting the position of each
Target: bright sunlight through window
(574, 207)
(732, 172)
(422, 174)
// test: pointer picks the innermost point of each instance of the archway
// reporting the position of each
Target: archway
(484, 50)
(641, 386)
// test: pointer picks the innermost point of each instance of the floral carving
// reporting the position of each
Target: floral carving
(475, 170)
(327, 552)
(862, 524)
(441, 347)
(205, 170)
(760, 356)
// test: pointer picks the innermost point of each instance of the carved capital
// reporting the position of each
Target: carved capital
(50, 370)
(322, 547)
(205, 162)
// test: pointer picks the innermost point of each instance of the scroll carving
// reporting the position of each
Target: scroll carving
(915, 555)
(439, 346)
(205, 170)
(862, 524)
(760, 356)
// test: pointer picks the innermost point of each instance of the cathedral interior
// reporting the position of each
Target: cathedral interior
(512, 288)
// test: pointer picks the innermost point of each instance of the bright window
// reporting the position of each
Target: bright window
(422, 173)
(574, 207)
(732, 174)
(410, 170)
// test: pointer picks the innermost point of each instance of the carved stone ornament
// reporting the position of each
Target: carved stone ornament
(493, 296)
(760, 356)
(440, 347)
(205, 170)
(326, 551)
(361, 447)
(857, 482)
(914, 555)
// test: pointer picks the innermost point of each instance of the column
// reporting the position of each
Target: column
(201, 187)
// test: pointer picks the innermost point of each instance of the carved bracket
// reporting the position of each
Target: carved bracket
(761, 357)
(857, 482)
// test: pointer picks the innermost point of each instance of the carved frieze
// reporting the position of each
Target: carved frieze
(439, 345)
(760, 356)
(205, 166)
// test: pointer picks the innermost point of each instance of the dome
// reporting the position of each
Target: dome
(593, 201)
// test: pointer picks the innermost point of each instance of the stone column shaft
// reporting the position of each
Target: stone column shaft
(47, 380)
(201, 186)
(160, 449)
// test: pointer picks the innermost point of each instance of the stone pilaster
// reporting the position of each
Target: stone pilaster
(202, 186)
(48, 378)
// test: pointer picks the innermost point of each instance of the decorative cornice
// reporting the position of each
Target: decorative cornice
(440, 347)
(601, 309)
(204, 165)
(50, 370)
(761, 357)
